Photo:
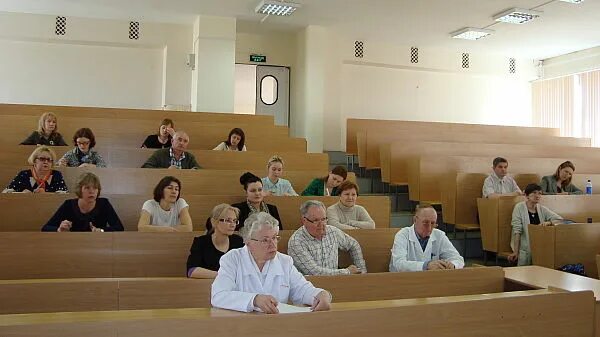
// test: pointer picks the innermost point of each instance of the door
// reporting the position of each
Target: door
(273, 93)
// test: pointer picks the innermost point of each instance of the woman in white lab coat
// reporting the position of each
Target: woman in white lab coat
(423, 247)
(257, 277)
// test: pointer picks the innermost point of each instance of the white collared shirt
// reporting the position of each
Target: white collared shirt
(493, 184)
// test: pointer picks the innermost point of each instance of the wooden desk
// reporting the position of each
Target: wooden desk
(532, 313)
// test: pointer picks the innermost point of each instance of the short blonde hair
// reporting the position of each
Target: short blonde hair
(218, 211)
(87, 179)
(34, 155)
(42, 121)
(273, 160)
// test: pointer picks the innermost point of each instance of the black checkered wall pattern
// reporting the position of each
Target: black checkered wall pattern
(359, 49)
(414, 55)
(61, 25)
(134, 30)
(465, 60)
(512, 66)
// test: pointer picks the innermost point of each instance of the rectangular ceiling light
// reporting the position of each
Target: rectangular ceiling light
(471, 33)
(572, 1)
(272, 7)
(517, 15)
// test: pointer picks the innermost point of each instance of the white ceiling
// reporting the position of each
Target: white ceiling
(563, 27)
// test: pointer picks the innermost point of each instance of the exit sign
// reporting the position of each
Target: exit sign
(258, 58)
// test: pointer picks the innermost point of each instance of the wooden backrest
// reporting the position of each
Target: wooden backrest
(119, 157)
(556, 246)
(121, 113)
(130, 254)
(354, 125)
(28, 213)
(564, 314)
(161, 293)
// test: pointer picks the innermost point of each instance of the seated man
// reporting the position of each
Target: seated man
(174, 157)
(423, 247)
(499, 183)
(314, 246)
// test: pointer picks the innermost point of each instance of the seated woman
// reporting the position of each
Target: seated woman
(235, 141)
(254, 201)
(47, 132)
(41, 177)
(82, 155)
(161, 140)
(238, 284)
(528, 212)
(87, 213)
(346, 214)
(560, 181)
(167, 212)
(207, 250)
(328, 184)
(273, 184)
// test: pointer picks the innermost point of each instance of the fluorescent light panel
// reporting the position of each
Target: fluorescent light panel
(470, 33)
(280, 8)
(517, 15)
(572, 1)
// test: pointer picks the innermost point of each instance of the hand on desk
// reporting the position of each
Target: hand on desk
(440, 264)
(322, 302)
(513, 257)
(266, 303)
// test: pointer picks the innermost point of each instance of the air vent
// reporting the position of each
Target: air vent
(414, 55)
(61, 25)
(512, 68)
(134, 30)
(359, 49)
(465, 60)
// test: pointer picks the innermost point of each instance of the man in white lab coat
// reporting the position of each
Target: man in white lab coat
(257, 277)
(423, 247)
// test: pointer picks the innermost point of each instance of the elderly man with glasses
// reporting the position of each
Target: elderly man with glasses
(257, 277)
(423, 247)
(314, 246)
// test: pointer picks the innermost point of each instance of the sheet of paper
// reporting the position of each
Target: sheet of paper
(291, 309)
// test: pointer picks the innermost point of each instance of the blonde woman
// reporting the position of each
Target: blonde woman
(47, 132)
(273, 184)
(40, 177)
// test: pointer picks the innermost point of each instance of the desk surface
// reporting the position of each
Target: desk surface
(204, 313)
(540, 277)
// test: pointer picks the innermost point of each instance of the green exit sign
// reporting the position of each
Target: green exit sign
(258, 58)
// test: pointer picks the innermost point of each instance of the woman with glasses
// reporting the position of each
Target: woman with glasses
(40, 177)
(83, 154)
(424, 247)
(257, 277)
(254, 201)
(346, 214)
(207, 250)
(525, 213)
(167, 212)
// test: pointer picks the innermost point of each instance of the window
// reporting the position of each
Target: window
(268, 90)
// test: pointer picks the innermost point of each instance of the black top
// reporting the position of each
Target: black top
(102, 216)
(245, 213)
(534, 218)
(36, 138)
(152, 142)
(204, 253)
(24, 181)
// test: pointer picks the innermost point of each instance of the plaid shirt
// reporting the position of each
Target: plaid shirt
(175, 161)
(320, 257)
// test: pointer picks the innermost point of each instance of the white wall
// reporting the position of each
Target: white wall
(578, 62)
(279, 47)
(94, 64)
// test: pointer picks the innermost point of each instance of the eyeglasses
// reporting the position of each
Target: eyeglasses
(266, 241)
(83, 143)
(230, 221)
(45, 159)
(316, 220)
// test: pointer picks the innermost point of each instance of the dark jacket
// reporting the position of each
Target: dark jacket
(162, 159)
(245, 213)
(102, 216)
(36, 138)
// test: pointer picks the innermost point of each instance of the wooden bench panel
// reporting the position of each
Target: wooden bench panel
(128, 208)
(131, 254)
(117, 157)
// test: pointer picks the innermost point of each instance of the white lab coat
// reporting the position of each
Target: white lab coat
(407, 254)
(238, 281)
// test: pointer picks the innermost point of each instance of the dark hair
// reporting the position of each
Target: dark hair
(249, 178)
(499, 160)
(347, 185)
(532, 188)
(159, 190)
(239, 132)
(166, 121)
(338, 170)
(560, 167)
(85, 133)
